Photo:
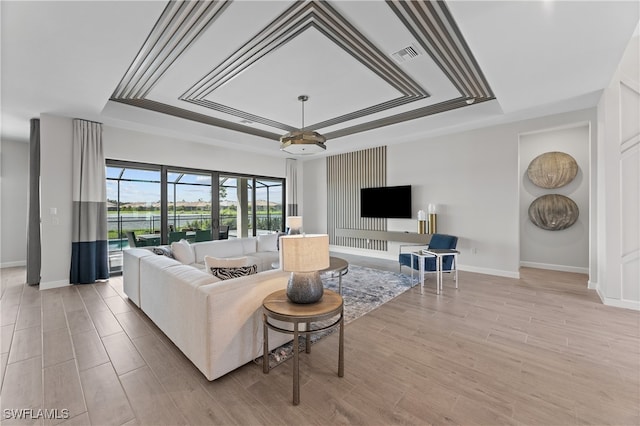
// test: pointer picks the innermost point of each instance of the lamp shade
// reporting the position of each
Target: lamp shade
(294, 223)
(304, 253)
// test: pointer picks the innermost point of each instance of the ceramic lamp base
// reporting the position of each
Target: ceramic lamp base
(305, 287)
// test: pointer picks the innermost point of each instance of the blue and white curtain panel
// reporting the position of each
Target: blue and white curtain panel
(89, 245)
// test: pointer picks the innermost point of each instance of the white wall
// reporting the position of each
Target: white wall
(474, 178)
(121, 144)
(56, 166)
(56, 135)
(618, 185)
(567, 249)
(14, 179)
(314, 195)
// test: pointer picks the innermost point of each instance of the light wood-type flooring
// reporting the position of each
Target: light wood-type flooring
(541, 350)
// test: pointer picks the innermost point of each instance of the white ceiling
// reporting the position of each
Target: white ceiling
(224, 63)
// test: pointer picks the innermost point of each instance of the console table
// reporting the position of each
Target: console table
(403, 237)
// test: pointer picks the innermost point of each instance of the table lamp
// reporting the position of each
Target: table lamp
(294, 223)
(304, 255)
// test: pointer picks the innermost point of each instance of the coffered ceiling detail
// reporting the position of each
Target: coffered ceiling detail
(320, 49)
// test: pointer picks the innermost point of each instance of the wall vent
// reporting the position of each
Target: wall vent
(403, 55)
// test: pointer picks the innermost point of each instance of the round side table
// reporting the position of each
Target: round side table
(277, 306)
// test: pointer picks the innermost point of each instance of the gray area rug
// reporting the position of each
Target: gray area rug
(363, 289)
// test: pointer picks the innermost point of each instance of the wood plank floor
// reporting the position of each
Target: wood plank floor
(541, 350)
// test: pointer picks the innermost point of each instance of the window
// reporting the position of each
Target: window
(153, 204)
(189, 202)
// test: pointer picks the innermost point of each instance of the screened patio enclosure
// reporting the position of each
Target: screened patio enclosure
(155, 204)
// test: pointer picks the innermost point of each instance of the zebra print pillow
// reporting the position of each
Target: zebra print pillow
(228, 273)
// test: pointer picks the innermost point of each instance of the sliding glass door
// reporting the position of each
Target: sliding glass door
(133, 208)
(150, 205)
(188, 205)
(269, 212)
(251, 205)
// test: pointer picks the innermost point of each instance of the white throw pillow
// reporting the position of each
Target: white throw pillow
(268, 242)
(183, 252)
(225, 262)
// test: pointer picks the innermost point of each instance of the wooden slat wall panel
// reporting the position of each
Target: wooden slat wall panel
(346, 175)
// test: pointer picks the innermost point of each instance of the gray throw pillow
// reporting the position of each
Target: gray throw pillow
(163, 251)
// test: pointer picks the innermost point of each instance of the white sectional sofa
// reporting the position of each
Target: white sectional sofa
(216, 324)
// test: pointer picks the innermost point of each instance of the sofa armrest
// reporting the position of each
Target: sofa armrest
(234, 320)
(131, 272)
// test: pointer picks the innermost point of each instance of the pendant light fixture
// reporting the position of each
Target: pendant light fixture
(301, 142)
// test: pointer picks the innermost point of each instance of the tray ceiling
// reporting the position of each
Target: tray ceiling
(242, 65)
(229, 73)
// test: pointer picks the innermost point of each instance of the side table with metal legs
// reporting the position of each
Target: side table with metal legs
(277, 306)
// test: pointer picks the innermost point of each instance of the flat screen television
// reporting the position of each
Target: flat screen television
(393, 202)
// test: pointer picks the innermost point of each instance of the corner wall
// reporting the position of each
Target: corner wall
(14, 183)
(618, 185)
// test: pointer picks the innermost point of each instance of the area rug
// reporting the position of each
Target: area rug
(363, 290)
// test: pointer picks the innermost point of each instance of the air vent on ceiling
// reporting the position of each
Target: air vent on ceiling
(403, 55)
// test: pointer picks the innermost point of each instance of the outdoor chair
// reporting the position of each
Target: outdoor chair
(177, 236)
(131, 237)
(223, 232)
(203, 235)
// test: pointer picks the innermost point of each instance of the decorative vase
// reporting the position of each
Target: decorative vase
(305, 287)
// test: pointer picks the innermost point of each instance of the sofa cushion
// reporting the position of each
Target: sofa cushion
(225, 262)
(233, 272)
(268, 242)
(218, 248)
(249, 245)
(183, 252)
(264, 259)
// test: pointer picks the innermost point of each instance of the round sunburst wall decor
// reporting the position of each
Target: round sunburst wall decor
(552, 169)
(553, 212)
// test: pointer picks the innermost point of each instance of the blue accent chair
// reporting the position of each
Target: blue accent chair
(438, 241)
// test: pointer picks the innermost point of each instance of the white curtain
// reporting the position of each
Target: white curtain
(90, 251)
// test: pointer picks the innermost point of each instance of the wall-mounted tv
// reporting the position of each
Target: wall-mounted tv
(392, 202)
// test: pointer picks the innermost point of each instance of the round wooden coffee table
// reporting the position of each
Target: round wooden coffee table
(277, 306)
(337, 268)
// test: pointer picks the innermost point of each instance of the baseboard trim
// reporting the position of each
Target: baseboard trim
(592, 285)
(552, 267)
(617, 303)
(54, 284)
(389, 256)
(488, 271)
(13, 264)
